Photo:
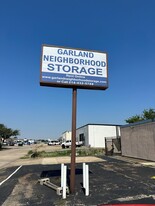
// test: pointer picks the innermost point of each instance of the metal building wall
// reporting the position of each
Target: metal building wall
(83, 130)
(95, 134)
(138, 140)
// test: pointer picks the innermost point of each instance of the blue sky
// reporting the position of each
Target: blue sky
(125, 29)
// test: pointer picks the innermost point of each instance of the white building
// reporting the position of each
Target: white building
(67, 135)
(93, 135)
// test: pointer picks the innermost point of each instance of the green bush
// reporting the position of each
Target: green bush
(30, 152)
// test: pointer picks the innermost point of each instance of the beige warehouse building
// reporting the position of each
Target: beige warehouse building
(138, 140)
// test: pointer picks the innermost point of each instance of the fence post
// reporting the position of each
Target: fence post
(64, 182)
(62, 175)
(87, 180)
(84, 179)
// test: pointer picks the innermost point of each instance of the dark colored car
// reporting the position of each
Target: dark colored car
(11, 144)
(20, 143)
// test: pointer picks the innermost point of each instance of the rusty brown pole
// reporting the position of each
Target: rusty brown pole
(73, 146)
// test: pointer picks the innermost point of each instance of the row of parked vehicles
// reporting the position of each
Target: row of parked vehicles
(13, 143)
(17, 142)
(65, 144)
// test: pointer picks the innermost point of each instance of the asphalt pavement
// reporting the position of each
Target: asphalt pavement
(111, 181)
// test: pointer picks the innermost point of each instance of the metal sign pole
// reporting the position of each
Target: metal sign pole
(73, 146)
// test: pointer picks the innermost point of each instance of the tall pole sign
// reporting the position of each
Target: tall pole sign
(76, 69)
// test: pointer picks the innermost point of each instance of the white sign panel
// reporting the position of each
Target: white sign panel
(67, 67)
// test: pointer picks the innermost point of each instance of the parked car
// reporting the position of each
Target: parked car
(53, 142)
(68, 144)
(20, 143)
(11, 143)
(4, 143)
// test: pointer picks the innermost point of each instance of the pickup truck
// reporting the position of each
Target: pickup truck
(68, 143)
(53, 142)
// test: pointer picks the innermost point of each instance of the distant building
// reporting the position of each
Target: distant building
(67, 135)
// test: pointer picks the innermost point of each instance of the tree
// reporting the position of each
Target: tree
(2, 129)
(133, 119)
(7, 132)
(147, 114)
(15, 133)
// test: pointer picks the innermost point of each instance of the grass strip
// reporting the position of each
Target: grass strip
(66, 152)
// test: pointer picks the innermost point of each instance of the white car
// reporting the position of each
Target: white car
(53, 142)
(68, 143)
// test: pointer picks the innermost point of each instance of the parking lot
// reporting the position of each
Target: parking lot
(112, 180)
